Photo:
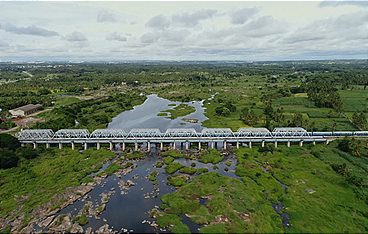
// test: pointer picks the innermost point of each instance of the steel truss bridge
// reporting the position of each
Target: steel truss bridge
(174, 136)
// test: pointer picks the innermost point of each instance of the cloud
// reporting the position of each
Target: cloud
(263, 26)
(75, 37)
(158, 22)
(106, 17)
(334, 3)
(28, 30)
(148, 38)
(192, 19)
(4, 44)
(116, 37)
(243, 15)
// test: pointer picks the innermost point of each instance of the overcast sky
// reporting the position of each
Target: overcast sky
(248, 31)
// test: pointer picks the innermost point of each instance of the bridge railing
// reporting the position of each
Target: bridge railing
(179, 133)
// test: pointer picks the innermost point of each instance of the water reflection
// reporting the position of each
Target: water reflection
(146, 116)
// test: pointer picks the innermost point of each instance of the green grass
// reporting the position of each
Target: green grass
(173, 153)
(315, 193)
(153, 177)
(211, 156)
(114, 167)
(81, 219)
(172, 222)
(35, 182)
(188, 170)
(301, 171)
(179, 111)
(168, 160)
(135, 155)
(178, 180)
(65, 101)
(173, 167)
(229, 198)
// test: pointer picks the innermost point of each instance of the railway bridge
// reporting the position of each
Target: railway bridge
(179, 137)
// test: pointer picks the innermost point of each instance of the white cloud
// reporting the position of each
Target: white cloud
(158, 22)
(183, 30)
(28, 30)
(75, 36)
(106, 17)
(116, 37)
(243, 15)
(192, 19)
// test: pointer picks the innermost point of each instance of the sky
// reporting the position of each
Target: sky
(122, 31)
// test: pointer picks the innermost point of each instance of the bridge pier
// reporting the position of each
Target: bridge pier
(161, 146)
(60, 145)
(47, 145)
(98, 146)
(187, 145)
(73, 146)
(275, 144)
(123, 147)
(327, 142)
(212, 144)
(263, 143)
(85, 145)
(199, 145)
(148, 146)
(174, 145)
(34, 145)
(301, 143)
(314, 142)
(135, 146)
(111, 146)
(288, 144)
(224, 145)
(237, 144)
(250, 145)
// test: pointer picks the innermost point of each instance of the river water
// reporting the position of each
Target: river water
(145, 116)
(128, 210)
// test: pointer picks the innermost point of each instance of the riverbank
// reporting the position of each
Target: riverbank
(268, 196)
(38, 188)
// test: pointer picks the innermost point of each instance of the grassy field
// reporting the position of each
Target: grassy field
(178, 111)
(314, 196)
(35, 182)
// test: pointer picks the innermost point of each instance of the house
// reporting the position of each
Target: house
(25, 110)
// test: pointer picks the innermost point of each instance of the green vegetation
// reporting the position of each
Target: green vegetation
(229, 203)
(178, 180)
(114, 167)
(159, 164)
(188, 170)
(173, 167)
(82, 219)
(134, 155)
(172, 222)
(179, 111)
(211, 156)
(312, 176)
(168, 160)
(34, 182)
(153, 177)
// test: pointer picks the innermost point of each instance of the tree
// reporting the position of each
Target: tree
(297, 120)
(9, 142)
(8, 159)
(359, 120)
(249, 117)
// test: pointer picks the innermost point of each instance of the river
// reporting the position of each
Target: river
(128, 210)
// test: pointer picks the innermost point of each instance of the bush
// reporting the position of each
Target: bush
(9, 142)
(8, 159)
